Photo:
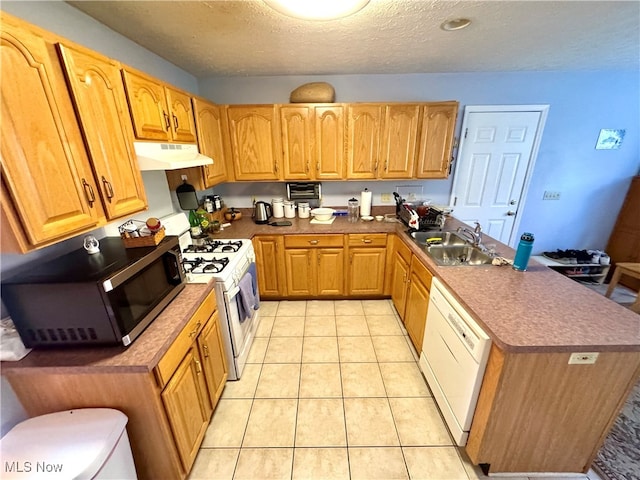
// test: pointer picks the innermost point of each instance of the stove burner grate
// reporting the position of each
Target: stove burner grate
(200, 265)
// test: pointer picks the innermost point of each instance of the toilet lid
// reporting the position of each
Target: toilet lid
(71, 444)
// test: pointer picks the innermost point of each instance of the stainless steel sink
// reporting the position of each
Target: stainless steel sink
(458, 255)
(437, 237)
(450, 249)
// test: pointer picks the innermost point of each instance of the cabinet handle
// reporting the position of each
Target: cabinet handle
(308, 166)
(206, 351)
(318, 167)
(313, 242)
(275, 166)
(88, 192)
(366, 240)
(175, 121)
(386, 165)
(108, 188)
(167, 122)
(404, 278)
(198, 367)
(195, 330)
(375, 167)
(351, 258)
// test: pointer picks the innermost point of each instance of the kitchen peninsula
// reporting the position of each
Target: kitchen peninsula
(535, 319)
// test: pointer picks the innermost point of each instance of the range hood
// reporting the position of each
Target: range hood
(169, 156)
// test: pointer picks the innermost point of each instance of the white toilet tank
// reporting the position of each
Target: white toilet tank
(89, 443)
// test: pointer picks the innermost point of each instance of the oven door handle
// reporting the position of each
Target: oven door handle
(174, 267)
(230, 295)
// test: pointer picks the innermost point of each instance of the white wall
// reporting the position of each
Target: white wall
(592, 182)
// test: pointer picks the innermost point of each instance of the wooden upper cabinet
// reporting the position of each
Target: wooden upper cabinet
(329, 142)
(296, 126)
(183, 127)
(209, 125)
(436, 140)
(363, 139)
(47, 179)
(158, 112)
(99, 96)
(254, 142)
(399, 141)
(148, 107)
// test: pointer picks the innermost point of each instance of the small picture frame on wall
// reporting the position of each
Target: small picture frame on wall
(609, 139)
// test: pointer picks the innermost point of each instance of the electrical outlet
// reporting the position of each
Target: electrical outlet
(583, 358)
(385, 197)
(184, 178)
(549, 195)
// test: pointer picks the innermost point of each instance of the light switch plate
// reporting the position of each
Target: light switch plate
(583, 358)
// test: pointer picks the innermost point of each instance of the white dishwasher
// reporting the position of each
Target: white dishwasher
(453, 359)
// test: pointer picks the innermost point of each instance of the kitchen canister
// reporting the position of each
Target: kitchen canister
(523, 253)
(365, 202)
(289, 209)
(303, 210)
(278, 207)
(352, 210)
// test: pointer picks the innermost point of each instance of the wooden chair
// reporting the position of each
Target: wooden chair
(631, 269)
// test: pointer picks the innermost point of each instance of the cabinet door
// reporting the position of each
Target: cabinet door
(183, 128)
(269, 264)
(416, 310)
(295, 125)
(188, 408)
(210, 140)
(100, 100)
(253, 135)
(366, 271)
(330, 270)
(399, 284)
(329, 142)
(148, 107)
(400, 141)
(44, 165)
(436, 140)
(213, 358)
(363, 140)
(300, 272)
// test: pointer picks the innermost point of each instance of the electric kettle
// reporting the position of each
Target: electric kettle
(261, 212)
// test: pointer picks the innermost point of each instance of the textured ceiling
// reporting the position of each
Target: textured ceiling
(246, 37)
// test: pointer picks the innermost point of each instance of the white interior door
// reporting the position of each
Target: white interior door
(496, 156)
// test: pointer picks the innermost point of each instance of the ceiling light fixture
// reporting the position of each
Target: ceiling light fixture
(457, 24)
(317, 9)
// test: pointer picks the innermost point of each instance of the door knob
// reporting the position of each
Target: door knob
(511, 213)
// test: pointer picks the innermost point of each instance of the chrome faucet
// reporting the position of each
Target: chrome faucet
(475, 235)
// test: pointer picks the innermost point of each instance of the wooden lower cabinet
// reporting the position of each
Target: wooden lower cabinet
(188, 406)
(410, 292)
(367, 264)
(314, 265)
(417, 302)
(168, 408)
(538, 413)
(270, 265)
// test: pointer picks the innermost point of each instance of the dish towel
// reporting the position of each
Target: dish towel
(249, 297)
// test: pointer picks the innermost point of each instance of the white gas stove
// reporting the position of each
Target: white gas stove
(225, 262)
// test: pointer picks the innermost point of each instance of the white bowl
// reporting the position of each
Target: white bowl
(322, 214)
(379, 218)
(367, 218)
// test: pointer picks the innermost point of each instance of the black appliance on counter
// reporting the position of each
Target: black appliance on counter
(106, 298)
(422, 218)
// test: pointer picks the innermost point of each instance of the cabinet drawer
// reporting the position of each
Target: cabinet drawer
(422, 272)
(178, 349)
(312, 241)
(367, 239)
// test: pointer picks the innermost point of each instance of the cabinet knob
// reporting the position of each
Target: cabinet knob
(313, 242)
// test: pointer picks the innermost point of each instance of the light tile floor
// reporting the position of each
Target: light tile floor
(332, 390)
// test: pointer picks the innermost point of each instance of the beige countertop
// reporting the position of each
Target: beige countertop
(539, 310)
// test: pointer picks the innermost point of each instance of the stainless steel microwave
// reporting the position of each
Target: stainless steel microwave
(107, 298)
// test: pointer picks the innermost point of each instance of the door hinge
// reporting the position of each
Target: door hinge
(466, 130)
(455, 201)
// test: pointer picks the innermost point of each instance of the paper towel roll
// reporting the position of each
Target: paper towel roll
(365, 203)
